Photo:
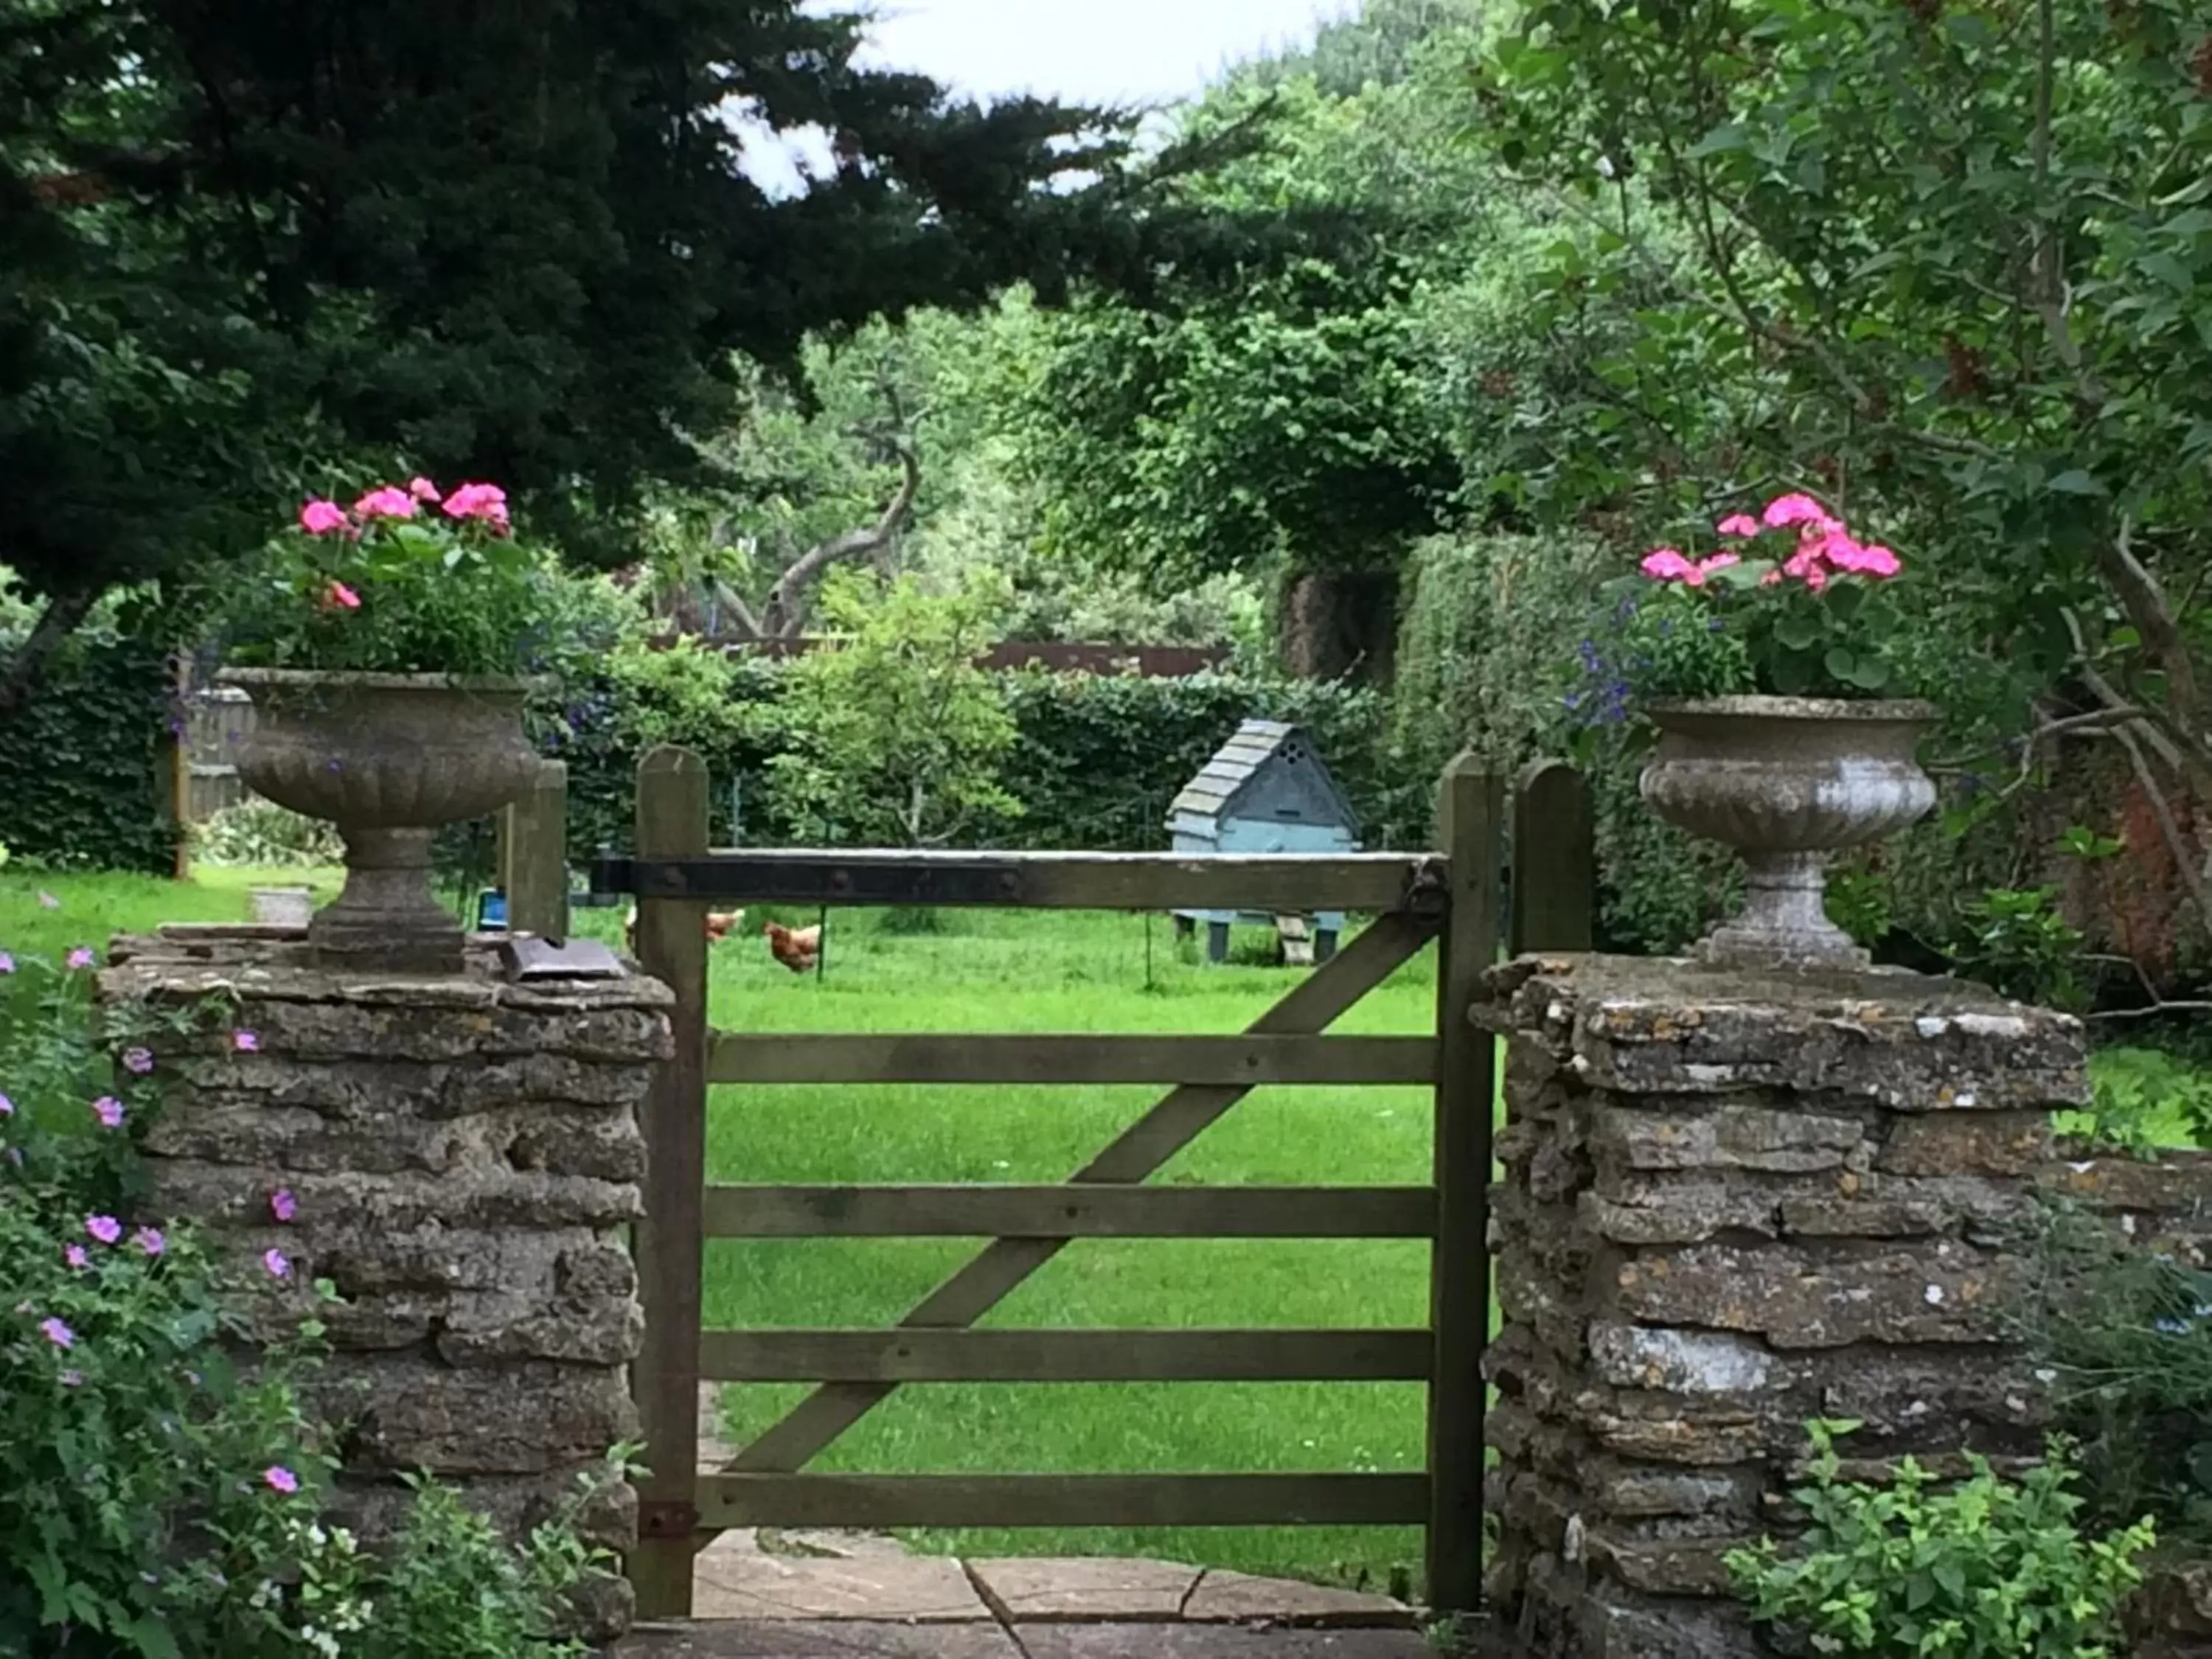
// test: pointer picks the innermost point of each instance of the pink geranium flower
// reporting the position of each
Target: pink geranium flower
(321, 517)
(80, 957)
(1705, 566)
(1794, 509)
(281, 1479)
(387, 502)
(1861, 561)
(246, 1042)
(278, 1264)
(478, 500)
(1739, 524)
(77, 1257)
(422, 490)
(7, 962)
(7, 1107)
(105, 1228)
(149, 1240)
(109, 1110)
(282, 1204)
(339, 597)
(57, 1333)
(1666, 564)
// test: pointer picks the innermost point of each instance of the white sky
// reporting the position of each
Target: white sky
(1088, 50)
(1083, 52)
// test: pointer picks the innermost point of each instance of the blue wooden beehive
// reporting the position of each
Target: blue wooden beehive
(1265, 791)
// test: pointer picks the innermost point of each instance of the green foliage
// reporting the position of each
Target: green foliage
(85, 773)
(2142, 1101)
(895, 736)
(260, 832)
(2124, 1336)
(2019, 943)
(1987, 1569)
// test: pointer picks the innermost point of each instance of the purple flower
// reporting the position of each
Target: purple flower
(7, 962)
(138, 1061)
(281, 1479)
(149, 1240)
(246, 1042)
(77, 1257)
(282, 1204)
(109, 1110)
(80, 957)
(278, 1264)
(57, 1333)
(105, 1228)
(7, 1107)
(72, 1379)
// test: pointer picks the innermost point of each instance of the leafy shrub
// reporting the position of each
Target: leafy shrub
(86, 778)
(260, 832)
(1985, 1568)
(2125, 1335)
(157, 1501)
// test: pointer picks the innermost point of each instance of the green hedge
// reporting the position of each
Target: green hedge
(1098, 761)
(85, 768)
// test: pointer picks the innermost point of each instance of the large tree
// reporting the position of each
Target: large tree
(519, 241)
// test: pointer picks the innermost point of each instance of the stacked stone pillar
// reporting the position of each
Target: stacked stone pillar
(458, 1157)
(1733, 1204)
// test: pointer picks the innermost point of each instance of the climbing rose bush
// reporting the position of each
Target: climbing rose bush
(1790, 603)
(406, 580)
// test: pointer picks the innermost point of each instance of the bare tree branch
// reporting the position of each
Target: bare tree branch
(783, 614)
(56, 623)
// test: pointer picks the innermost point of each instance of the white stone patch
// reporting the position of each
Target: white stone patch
(1931, 1025)
(1570, 1548)
(1964, 1097)
(1993, 1025)
(1934, 1295)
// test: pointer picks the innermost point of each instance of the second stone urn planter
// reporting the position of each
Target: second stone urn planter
(388, 758)
(1788, 783)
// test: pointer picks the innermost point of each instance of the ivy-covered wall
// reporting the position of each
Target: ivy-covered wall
(85, 772)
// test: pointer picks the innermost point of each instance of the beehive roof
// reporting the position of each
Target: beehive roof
(1214, 789)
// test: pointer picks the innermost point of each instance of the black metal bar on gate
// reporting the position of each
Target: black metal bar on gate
(1135, 881)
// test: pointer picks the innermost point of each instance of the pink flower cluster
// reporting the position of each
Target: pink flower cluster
(484, 502)
(1825, 548)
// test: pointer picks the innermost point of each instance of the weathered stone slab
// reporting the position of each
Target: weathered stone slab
(731, 1581)
(1997, 1143)
(1946, 1291)
(1680, 1361)
(1727, 1137)
(1216, 1641)
(794, 1639)
(1038, 1590)
(1238, 1598)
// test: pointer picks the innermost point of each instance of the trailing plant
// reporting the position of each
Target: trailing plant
(1985, 1568)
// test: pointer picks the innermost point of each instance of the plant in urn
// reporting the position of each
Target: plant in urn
(1765, 668)
(387, 648)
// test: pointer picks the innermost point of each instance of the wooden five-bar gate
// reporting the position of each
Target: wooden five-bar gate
(1456, 895)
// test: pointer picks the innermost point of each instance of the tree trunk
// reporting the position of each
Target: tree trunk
(19, 678)
(1341, 625)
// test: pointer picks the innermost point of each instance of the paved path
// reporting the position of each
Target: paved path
(843, 1595)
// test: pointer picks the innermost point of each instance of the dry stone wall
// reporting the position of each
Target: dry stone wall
(1732, 1204)
(458, 1156)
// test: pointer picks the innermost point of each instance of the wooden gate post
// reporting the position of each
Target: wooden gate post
(1470, 814)
(533, 870)
(671, 946)
(1554, 860)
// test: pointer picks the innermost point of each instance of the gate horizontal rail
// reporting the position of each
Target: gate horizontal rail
(1090, 1210)
(1273, 882)
(877, 1502)
(1085, 1058)
(1062, 1356)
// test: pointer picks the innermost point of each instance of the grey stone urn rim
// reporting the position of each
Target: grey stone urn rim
(277, 679)
(1804, 709)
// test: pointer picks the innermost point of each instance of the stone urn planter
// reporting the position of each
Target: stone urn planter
(1788, 783)
(388, 758)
